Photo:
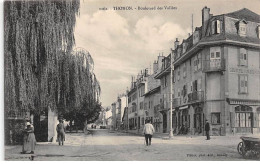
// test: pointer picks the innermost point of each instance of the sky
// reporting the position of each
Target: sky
(122, 43)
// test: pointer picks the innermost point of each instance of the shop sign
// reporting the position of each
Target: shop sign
(244, 71)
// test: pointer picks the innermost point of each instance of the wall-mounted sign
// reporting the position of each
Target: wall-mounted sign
(244, 70)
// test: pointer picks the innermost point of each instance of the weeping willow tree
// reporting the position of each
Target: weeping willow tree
(41, 70)
(80, 100)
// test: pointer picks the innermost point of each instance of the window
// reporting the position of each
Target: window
(145, 106)
(184, 47)
(199, 84)
(243, 119)
(179, 92)
(243, 57)
(243, 84)
(195, 86)
(242, 28)
(215, 27)
(215, 53)
(195, 37)
(184, 90)
(215, 118)
(184, 70)
(199, 61)
(178, 73)
(195, 64)
(257, 117)
(141, 105)
(258, 32)
(165, 81)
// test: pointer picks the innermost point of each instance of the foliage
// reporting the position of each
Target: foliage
(41, 70)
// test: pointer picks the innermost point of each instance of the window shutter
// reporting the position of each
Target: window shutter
(240, 83)
(199, 84)
(246, 83)
(199, 61)
(195, 86)
(218, 26)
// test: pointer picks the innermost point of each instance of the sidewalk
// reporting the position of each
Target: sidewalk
(166, 135)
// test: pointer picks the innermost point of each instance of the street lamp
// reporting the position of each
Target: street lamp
(171, 131)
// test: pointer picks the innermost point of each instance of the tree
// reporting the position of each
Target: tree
(80, 101)
(37, 35)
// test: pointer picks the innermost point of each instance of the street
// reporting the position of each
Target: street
(117, 146)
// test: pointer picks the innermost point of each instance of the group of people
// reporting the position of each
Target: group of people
(29, 141)
(149, 130)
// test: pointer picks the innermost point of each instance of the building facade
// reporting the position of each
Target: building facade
(118, 108)
(217, 75)
(164, 75)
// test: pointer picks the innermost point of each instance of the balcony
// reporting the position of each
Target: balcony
(176, 102)
(214, 65)
(197, 96)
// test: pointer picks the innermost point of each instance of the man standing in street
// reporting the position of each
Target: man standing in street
(61, 132)
(207, 128)
(148, 132)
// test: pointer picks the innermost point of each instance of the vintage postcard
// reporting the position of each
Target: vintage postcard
(131, 80)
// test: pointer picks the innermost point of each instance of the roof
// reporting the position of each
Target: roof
(245, 14)
(153, 91)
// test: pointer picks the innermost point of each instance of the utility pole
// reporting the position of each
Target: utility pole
(171, 131)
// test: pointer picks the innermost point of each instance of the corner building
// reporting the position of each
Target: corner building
(217, 75)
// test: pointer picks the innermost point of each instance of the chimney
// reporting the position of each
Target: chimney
(176, 43)
(155, 67)
(205, 19)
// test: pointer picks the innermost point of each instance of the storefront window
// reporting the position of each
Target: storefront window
(243, 120)
(258, 117)
(215, 118)
(243, 116)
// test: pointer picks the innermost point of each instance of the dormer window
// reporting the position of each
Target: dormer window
(179, 51)
(196, 37)
(241, 27)
(215, 27)
(184, 47)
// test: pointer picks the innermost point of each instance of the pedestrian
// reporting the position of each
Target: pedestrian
(207, 128)
(29, 140)
(148, 132)
(61, 132)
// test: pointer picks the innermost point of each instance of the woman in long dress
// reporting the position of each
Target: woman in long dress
(29, 140)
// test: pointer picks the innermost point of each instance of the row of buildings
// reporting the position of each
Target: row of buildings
(216, 77)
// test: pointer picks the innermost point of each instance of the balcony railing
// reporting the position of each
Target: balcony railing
(214, 65)
(197, 96)
(176, 102)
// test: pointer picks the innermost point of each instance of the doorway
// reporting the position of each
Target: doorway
(164, 122)
(198, 125)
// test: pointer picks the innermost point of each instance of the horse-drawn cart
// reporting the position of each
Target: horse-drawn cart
(249, 147)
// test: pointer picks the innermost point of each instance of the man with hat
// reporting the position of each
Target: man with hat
(207, 128)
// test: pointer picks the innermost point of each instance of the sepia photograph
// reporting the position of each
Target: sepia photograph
(131, 80)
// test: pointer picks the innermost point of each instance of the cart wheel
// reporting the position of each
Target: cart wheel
(240, 148)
